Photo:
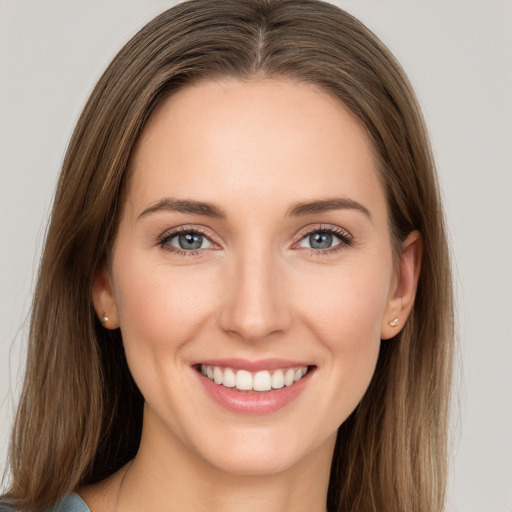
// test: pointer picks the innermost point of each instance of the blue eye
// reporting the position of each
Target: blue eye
(320, 240)
(185, 241)
(326, 240)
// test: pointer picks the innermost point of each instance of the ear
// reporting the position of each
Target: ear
(103, 298)
(403, 287)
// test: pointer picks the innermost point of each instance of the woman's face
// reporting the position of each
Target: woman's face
(253, 245)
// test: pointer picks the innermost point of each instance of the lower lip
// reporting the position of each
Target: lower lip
(253, 402)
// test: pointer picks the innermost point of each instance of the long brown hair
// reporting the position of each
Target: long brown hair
(80, 414)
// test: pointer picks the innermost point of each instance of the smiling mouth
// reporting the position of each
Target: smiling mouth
(260, 381)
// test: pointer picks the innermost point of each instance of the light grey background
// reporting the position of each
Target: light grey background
(458, 54)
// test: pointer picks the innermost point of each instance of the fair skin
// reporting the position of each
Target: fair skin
(265, 281)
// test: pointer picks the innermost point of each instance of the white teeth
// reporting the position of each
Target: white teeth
(218, 375)
(259, 381)
(278, 379)
(289, 377)
(262, 381)
(229, 378)
(243, 380)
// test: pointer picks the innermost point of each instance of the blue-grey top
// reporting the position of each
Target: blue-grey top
(73, 503)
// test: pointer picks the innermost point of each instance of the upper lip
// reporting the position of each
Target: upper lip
(254, 365)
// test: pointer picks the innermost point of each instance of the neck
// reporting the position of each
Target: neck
(169, 477)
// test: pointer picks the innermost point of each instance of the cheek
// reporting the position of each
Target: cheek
(346, 318)
(346, 307)
(160, 308)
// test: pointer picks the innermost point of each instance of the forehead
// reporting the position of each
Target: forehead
(261, 141)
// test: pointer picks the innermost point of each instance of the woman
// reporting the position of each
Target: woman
(244, 299)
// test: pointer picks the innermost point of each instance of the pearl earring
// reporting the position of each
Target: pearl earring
(394, 322)
(104, 318)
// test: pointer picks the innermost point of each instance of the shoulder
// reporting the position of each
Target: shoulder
(72, 503)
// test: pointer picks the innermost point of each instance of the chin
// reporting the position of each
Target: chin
(264, 453)
(257, 462)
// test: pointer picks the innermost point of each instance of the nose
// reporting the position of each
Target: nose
(255, 303)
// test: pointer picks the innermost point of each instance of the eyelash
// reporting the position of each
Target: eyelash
(345, 237)
(346, 240)
(166, 237)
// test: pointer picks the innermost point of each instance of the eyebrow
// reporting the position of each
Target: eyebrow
(186, 206)
(216, 212)
(326, 205)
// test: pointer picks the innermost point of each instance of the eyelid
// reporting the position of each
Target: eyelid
(346, 239)
(167, 235)
(345, 236)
